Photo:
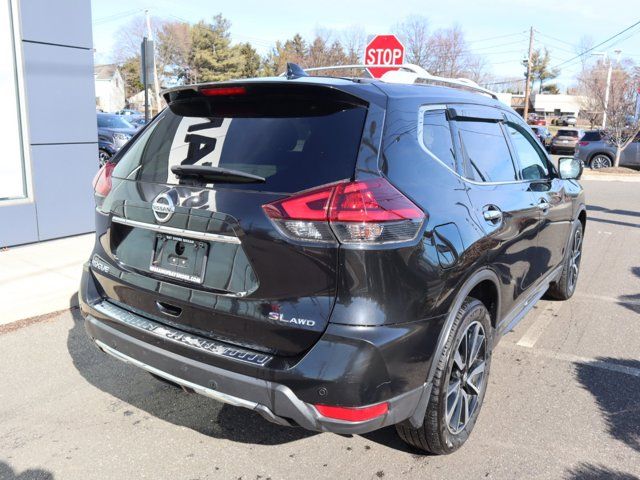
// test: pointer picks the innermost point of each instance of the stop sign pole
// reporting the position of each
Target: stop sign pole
(383, 50)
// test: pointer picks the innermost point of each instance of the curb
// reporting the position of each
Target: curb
(609, 177)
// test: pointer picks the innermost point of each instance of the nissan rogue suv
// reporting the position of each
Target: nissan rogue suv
(339, 254)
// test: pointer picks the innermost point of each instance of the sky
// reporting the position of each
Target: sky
(559, 24)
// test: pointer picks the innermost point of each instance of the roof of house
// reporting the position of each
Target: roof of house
(105, 72)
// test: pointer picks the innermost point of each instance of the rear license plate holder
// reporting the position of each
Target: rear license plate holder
(180, 258)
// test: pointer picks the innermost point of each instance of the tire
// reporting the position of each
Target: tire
(600, 160)
(438, 435)
(103, 156)
(564, 288)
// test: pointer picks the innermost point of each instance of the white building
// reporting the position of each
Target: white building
(555, 105)
(110, 92)
(48, 127)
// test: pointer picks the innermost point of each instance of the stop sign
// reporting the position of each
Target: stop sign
(383, 50)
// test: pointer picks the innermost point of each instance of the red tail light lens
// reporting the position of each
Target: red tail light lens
(102, 180)
(223, 91)
(370, 211)
(371, 201)
(353, 414)
(583, 144)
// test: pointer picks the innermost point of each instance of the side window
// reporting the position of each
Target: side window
(533, 165)
(487, 154)
(436, 137)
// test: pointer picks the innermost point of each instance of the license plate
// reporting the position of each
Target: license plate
(565, 141)
(180, 258)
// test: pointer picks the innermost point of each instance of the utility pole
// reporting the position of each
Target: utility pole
(606, 93)
(527, 88)
(156, 86)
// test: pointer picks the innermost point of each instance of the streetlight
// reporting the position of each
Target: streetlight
(608, 87)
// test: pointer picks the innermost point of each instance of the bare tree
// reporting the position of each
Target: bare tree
(414, 34)
(622, 125)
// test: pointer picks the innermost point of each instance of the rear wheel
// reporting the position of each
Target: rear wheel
(459, 384)
(601, 160)
(564, 288)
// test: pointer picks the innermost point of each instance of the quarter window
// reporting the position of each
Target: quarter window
(532, 165)
(436, 137)
(487, 154)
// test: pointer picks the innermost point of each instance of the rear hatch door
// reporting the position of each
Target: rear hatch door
(199, 253)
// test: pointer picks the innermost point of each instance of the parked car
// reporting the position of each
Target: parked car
(535, 119)
(565, 140)
(129, 113)
(137, 122)
(597, 153)
(544, 135)
(298, 254)
(113, 132)
(567, 121)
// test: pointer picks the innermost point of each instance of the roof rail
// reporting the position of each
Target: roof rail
(409, 73)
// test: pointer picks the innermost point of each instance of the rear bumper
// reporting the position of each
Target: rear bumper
(280, 396)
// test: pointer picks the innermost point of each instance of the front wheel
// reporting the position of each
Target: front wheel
(565, 286)
(459, 384)
(103, 157)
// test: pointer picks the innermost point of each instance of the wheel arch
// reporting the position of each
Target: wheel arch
(480, 283)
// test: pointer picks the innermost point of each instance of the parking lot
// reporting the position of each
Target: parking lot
(563, 399)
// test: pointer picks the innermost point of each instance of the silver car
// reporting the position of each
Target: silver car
(596, 152)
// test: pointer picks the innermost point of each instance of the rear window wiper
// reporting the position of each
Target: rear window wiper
(214, 174)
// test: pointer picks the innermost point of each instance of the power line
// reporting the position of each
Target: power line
(596, 46)
(499, 36)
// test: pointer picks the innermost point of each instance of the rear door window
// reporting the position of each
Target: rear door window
(292, 153)
(486, 151)
(436, 137)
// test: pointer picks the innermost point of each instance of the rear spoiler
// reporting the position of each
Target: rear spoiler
(259, 98)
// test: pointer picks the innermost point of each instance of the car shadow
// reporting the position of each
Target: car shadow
(616, 393)
(587, 471)
(616, 211)
(137, 388)
(632, 302)
(7, 473)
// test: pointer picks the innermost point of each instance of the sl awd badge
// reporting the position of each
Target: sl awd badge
(279, 317)
(163, 207)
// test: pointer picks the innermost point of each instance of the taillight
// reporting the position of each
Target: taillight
(353, 414)
(583, 144)
(370, 211)
(102, 180)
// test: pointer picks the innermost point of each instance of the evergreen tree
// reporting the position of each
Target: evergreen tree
(212, 57)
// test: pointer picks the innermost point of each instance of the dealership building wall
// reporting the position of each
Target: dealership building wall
(48, 127)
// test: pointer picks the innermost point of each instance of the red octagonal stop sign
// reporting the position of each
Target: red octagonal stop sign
(383, 50)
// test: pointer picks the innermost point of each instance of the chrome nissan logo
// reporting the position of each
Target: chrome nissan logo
(163, 207)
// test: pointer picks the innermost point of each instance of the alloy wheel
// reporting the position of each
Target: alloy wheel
(600, 161)
(574, 260)
(467, 379)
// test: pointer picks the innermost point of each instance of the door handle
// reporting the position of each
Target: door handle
(492, 214)
(544, 205)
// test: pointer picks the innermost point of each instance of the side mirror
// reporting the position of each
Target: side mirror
(570, 168)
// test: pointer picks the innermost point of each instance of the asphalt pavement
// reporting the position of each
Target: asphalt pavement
(563, 399)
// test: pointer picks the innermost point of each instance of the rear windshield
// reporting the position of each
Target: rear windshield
(592, 136)
(291, 153)
(568, 133)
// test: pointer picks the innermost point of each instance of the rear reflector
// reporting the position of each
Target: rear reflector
(353, 414)
(369, 211)
(584, 144)
(102, 180)
(223, 91)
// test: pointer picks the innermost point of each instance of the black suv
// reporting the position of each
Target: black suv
(338, 254)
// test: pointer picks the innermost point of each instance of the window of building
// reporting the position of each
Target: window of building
(12, 167)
